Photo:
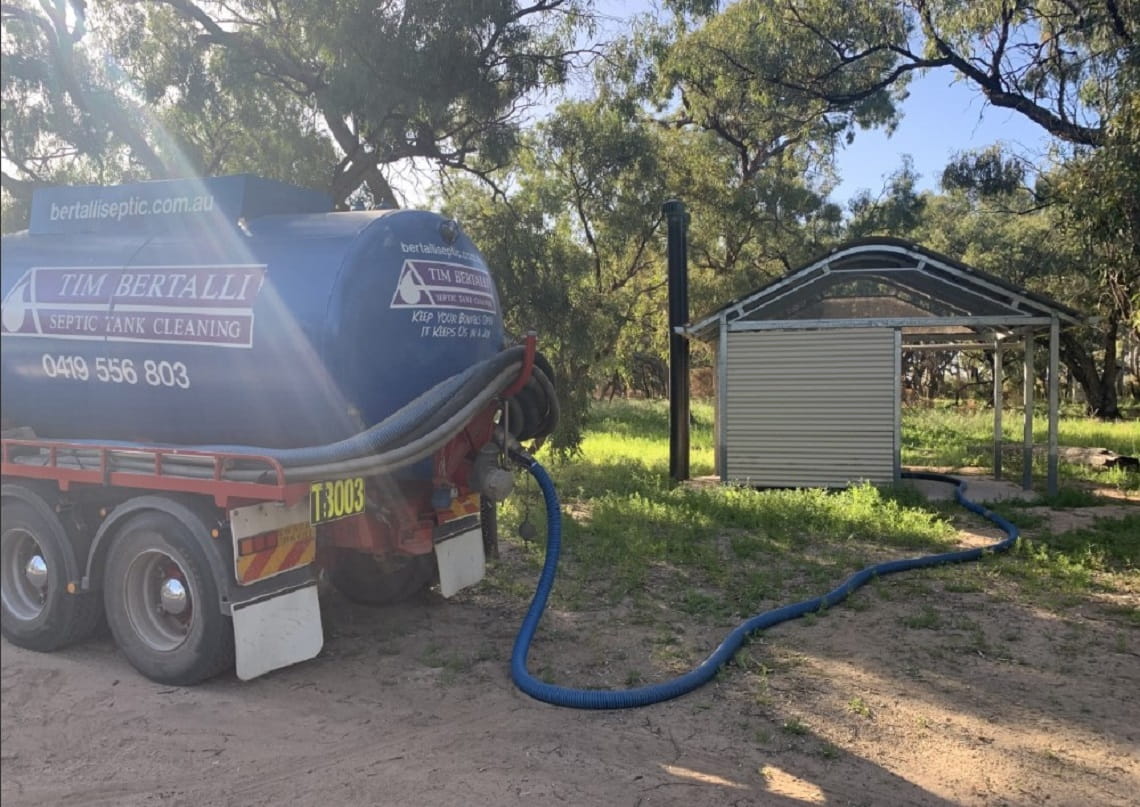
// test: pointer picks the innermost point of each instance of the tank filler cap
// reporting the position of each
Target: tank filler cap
(449, 231)
(498, 484)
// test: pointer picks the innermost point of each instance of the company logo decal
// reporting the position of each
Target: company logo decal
(184, 305)
(433, 284)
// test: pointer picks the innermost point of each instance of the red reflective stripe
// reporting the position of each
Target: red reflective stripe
(255, 568)
(294, 554)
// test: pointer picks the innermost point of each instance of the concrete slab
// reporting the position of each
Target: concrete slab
(978, 488)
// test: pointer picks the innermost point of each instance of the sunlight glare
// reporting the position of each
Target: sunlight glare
(703, 778)
(781, 783)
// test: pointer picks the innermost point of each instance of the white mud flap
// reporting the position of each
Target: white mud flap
(277, 632)
(461, 561)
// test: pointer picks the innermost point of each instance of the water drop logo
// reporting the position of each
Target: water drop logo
(411, 291)
(444, 285)
(17, 312)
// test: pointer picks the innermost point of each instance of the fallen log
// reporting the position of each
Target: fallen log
(1079, 455)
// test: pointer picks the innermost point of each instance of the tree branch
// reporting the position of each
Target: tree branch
(1118, 21)
(19, 188)
(996, 93)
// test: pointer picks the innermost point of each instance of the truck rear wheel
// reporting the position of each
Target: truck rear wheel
(38, 612)
(368, 580)
(162, 602)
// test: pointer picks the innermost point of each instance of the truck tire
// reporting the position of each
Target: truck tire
(38, 612)
(161, 601)
(367, 580)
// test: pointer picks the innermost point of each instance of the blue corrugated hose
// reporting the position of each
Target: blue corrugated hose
(704, 672)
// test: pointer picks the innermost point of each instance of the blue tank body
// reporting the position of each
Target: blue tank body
(232, 324)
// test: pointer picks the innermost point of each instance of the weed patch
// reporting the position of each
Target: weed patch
(925, 618)
(859, 707)
(1110, 544)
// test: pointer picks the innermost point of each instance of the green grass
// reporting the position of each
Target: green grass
(926, 618)
(947, 431)
(1109, 545)
(628, 442)
(720, 551)
(1058, 571)
(944, 436)
(1053, 571)
(796, 727)
(713, 555)
(1066, 498)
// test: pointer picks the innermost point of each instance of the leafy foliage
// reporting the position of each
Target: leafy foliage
(988, 172)
(324, 93)
(64, 121)
(671, 118)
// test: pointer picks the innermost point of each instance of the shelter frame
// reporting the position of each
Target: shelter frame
(939, 304)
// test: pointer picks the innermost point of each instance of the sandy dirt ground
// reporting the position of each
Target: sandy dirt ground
(980, 700)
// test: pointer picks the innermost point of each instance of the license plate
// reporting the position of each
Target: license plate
(340, 498)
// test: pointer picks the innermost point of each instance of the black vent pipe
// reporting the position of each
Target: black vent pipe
(678, 251)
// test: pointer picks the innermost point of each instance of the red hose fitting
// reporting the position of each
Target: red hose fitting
(528, 366)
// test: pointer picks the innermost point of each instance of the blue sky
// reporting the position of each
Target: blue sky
(940, 118)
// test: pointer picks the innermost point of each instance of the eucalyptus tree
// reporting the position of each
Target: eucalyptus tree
(669, 114)
(327, 92)
(61, 119)
(760, 183)
(575, 236)
(1070, 66)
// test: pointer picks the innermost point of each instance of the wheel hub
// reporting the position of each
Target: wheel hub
(37, 572)
(24, 569)
(159, 600)
(173, 596)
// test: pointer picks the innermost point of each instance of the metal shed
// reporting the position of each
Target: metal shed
(808, 366)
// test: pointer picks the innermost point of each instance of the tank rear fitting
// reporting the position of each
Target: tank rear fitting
(488, 477)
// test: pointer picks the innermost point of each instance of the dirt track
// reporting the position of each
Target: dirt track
(1002, 705)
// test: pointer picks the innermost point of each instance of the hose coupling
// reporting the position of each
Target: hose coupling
(488, 477)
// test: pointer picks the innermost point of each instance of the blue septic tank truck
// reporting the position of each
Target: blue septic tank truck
(214, 388)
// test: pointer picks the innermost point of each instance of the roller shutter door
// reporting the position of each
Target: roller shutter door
(812, 408)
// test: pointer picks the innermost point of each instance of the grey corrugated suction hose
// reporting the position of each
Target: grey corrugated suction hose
(416, 431)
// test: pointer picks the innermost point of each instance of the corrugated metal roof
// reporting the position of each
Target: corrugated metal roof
(899, 269)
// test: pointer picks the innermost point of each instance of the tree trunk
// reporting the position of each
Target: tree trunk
(1099, 386)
